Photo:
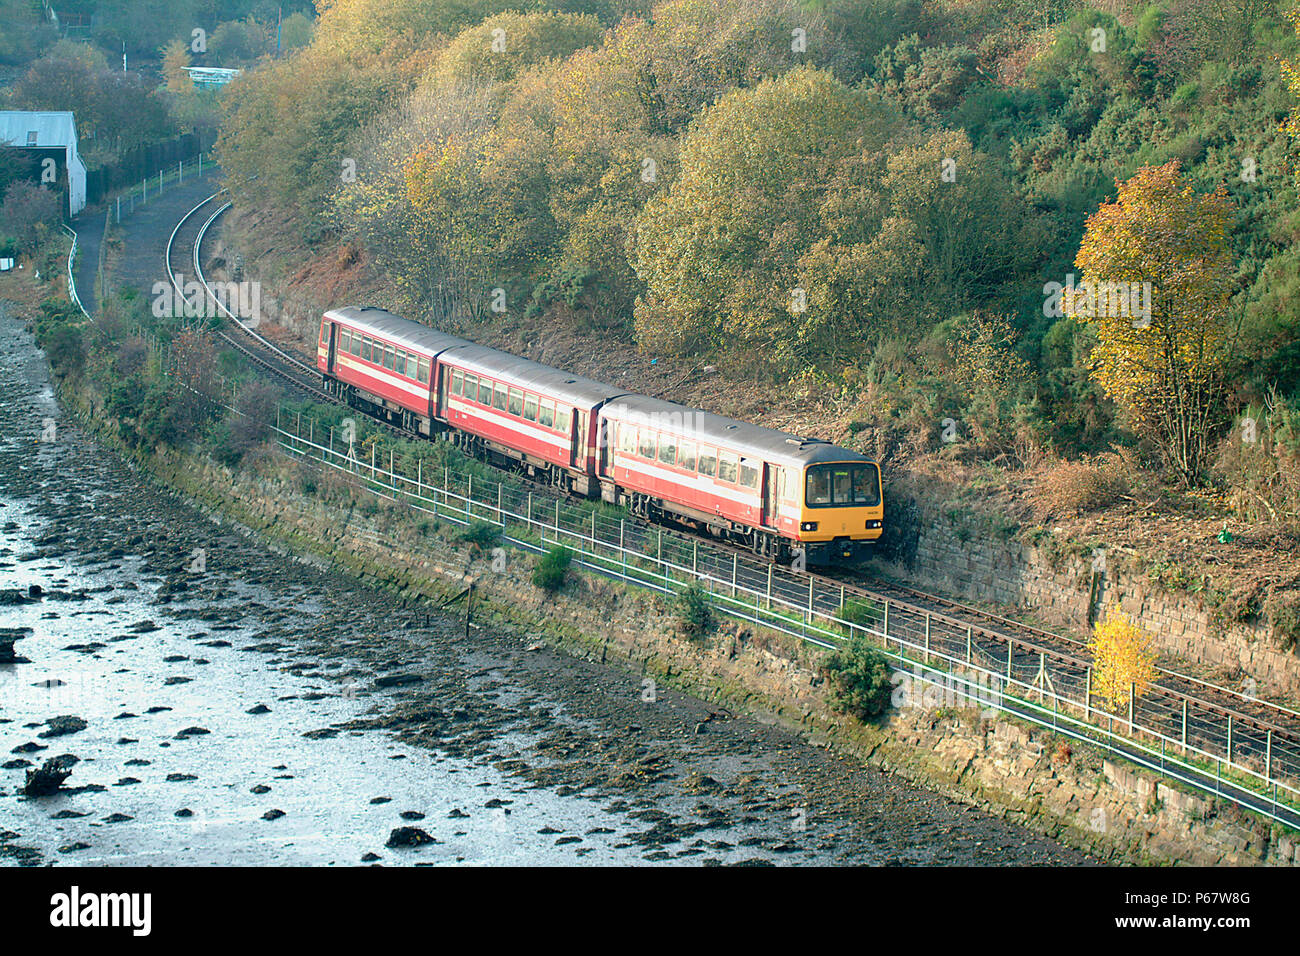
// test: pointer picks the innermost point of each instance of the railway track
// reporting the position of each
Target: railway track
(1209, 718)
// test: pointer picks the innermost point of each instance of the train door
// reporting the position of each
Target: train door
(771, 496)
(603, 443)
(440, 371)
(333, 344)
(580, 446)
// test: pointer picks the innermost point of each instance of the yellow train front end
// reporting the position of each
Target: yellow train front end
(842, 511)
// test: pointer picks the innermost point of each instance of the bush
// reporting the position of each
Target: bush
(858, 673)
(1078, 487)
(64, 349)
(694, 612)
(551, 569)
(479, 535)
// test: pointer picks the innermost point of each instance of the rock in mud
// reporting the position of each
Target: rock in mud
(61, 726)
(49, 777)
(408, 837)
(8, 637)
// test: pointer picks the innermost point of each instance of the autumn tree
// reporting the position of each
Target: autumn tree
(806, 222)
(1123, 660)
(1166, 367)
(1291, 74)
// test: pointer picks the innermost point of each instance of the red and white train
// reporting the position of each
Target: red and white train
(771, 490)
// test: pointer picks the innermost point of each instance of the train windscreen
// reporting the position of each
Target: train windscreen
(853, 484)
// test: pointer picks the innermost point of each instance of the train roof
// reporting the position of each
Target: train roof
(395, 329)
(751, 441)
(525, 373)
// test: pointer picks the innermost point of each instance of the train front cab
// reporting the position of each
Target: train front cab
(841, 511)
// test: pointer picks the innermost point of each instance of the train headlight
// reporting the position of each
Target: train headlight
(873, 524)
(808, 526)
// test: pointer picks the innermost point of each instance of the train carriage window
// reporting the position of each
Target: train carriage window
(708, 462)
(748, 474)
(727, 467)
(399, 362)
(366, 343)
(324, 333)
(626, 439)
(499, 397)
(686, 455)
(345, 336)
(457, 382)
(516, 401)
(423, 370)
(412, 366)
(388, 357)
(645, 446)
(485, 392)
(471, 387)
(530, 408)
(356, 344)
(546, 414)
(562, 419)
(668, 449)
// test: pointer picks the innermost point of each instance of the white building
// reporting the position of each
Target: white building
(49, 132)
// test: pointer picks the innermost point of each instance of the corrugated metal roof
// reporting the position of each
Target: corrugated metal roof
(52, 129)
(751, 441)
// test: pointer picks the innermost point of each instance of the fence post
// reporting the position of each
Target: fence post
(1268, 758)
(969, 636)
(593, 534)
(659, 555)
(810, 598)
(1087, 694)
(530, 509)
(769, 587)
(927, 637)
(695, 558)
(469, 500)
(622, 551)
(331, 439)
(1132, 698)
(735, 561)
(500, 511)
(557, 520)
(886, 626)
(1010, 646)
(1184, 726)
(1230, 740)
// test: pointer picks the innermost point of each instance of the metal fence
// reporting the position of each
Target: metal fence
(1191, 742)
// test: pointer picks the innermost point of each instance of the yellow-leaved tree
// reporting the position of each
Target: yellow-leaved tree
(1159, 274)
(1122, 660)
(1291, 73)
